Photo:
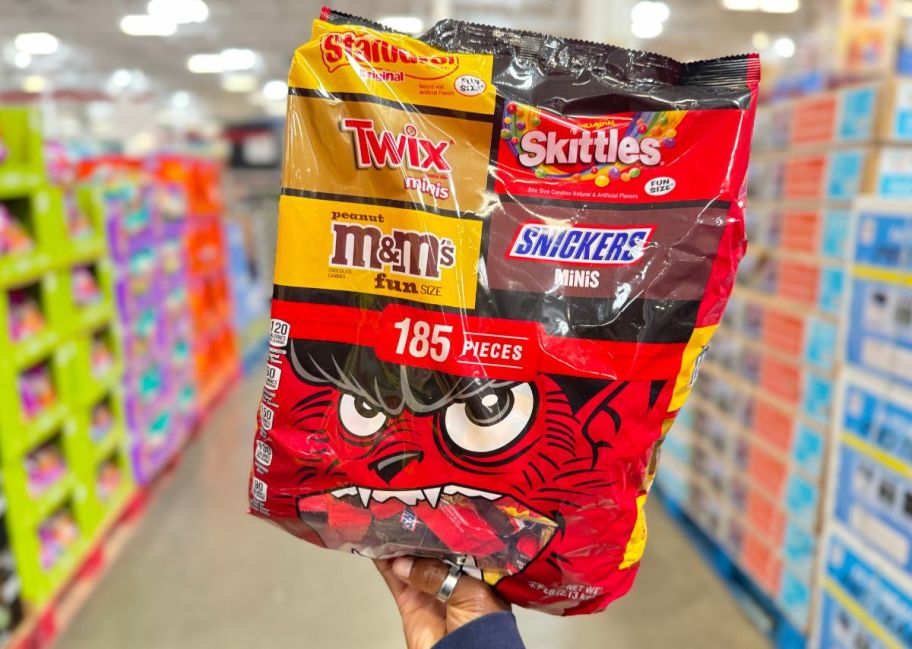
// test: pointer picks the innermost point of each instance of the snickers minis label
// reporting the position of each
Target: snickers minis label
(500, 259)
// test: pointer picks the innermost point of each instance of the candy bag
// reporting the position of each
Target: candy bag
(501, 257)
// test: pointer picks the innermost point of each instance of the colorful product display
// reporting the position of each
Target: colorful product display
(489, 309)
(57, 535)
(44, 467)
(25, 316)
(13, 237)
(36, 390)
(145, 223)
(110, 479)
(214, 340)
(59, 358)
(101, 422)
(750, 467)
(249, 299)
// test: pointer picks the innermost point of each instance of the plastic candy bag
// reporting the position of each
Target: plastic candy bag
(501, 257)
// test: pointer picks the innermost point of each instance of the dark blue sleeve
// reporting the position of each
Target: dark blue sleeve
(493, 631)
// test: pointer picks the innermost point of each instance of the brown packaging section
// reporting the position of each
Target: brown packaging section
(675, 265)
(401, 154)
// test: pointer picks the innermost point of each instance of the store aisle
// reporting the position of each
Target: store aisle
(200, 573)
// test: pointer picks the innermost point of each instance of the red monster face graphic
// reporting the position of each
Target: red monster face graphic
(496, 476)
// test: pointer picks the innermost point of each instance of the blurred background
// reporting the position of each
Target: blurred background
(140, 146)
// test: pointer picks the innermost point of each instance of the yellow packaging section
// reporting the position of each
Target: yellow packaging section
(637, 543)
(698, 342)
(378, 250)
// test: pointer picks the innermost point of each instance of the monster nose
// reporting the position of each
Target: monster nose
(389, 467)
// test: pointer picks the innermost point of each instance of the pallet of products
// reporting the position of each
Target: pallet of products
(250, 301)
(749, 467)
(866, 595)
(144, 220)
(62, 436)
(253, 227)
(215, 346)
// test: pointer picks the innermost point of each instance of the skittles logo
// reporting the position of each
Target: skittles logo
(601, 150)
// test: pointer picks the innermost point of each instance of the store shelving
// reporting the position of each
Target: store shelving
(22, 156)
(55, 295)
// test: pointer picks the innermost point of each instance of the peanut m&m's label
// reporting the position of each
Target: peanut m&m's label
(380, 250)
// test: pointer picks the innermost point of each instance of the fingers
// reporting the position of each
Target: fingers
(428, 575)
(425, 575)
(395, 584)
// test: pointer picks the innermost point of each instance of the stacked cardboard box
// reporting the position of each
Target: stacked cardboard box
(749, 460)
(866, 598)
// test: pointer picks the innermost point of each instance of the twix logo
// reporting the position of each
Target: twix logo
(379, 149)
(344, 48)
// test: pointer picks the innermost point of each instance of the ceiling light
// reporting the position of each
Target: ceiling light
(34, 83)
(144, 25)
(650, 12)
(37, 43)
(784, 47)
(180, 12)
(780, 6)
(22, 60)
(230, 60)
(647, 18)
(404, 24)
(236, 59)
(239, 82)
(122, 78)
(761, 41)
(205, 64)
(741, 5)
(180, 99)
(275, 90)
(646, 30)
(769, 6)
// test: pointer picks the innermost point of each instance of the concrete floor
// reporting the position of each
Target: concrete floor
(200, 573)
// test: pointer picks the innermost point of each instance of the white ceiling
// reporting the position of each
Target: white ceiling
(92, 46)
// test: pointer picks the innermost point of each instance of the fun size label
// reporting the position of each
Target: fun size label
(379, 250)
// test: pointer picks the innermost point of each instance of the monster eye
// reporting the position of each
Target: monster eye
(359, 417)
(491, 420)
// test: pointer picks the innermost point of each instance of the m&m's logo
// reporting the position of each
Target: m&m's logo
(378, 58)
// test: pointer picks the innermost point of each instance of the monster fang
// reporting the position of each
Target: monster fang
(383, 149)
